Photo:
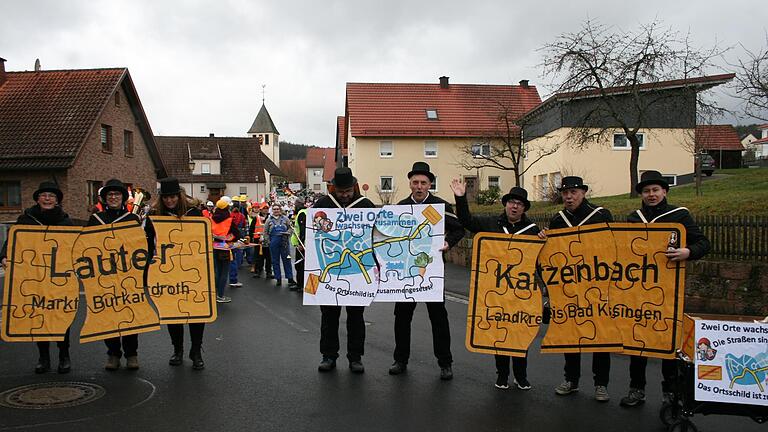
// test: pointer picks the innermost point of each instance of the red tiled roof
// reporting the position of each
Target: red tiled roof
(322, 157)
(46, 116)
(242, 160)
(295, 170)
(764, 126)
(760, 141)
(463, 110)
(718, 137)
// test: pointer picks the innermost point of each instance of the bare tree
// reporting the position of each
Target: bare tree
(386, 197)
(502, 149)
(622, 73)
(752, 82)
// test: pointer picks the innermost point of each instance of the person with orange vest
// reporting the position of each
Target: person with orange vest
(223, 231)
(262, 261)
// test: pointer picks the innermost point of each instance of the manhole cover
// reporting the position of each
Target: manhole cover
(51, 395)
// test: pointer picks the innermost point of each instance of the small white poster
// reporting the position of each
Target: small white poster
(407, 240)
(731, 362)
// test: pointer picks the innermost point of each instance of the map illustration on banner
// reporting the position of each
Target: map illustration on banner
(340, 268)
(731, 359)
(406, 241)
(505, 300)
(356, 256)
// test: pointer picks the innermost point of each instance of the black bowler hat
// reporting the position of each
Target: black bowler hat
(48, 186)
(571, 182)
(114, 185)
(517, 193)
(169, 186)
(343, 178)
(651, 177)
(423, 169)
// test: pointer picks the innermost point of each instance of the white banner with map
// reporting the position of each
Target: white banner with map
(356, 256)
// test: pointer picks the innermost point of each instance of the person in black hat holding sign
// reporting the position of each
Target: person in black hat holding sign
(420, 181)
(653, 189)
(577, 212)
(343, 192)
(46, 211)
(114, 195)
(511, 221)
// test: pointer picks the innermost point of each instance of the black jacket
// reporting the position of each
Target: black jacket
(454, 231)
(694, 237)
(578, 215)
(36, 216)
(327, 202)
(490, 223)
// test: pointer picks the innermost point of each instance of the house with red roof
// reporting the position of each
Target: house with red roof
(666, 129)
(722, 143)
(78, 128)
(388, 126)
(760, 145)
(320, 165)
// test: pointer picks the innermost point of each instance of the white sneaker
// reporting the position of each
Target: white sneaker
(236, 285)
(223, 299)
(601, 394)
(566, 387)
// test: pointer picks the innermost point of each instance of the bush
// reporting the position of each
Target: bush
(489, 196)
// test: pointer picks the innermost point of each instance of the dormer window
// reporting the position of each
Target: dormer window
(431, 114)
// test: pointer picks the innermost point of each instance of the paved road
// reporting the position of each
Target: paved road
(261, 356)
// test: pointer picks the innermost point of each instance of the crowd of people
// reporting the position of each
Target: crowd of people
(261, 235)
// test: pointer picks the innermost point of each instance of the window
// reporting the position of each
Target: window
(433, 187)
(266, 139)
(106, 138)
(620, 141)
(493, 182)
(315, 186)
(202, 188)
(243, 190)
(385, 184)
(430, 149)
(10, 194)
(205, 168)
(481, 150)
(386, 149)
(317, 173)
(431, 114)
(117, 98)
(128, 142)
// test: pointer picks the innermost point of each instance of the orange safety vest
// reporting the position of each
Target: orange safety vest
(258, 227)
(222, 228)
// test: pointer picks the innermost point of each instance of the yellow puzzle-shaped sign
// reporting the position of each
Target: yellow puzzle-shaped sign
(505, 301)
(181, 280)
(40, 297)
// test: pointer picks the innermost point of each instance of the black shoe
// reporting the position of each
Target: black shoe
(197, 360)
(328, 364)
(64, 365)
(43, 366)
(292, 282)
(177, 358)
(522, 383)
(397, 368)
(502, 382)
(356, 367)
(279, 282)
(446, 373)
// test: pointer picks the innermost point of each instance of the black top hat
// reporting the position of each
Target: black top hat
(423, 169)
(114, 185)
(651, 177)
(48, 186)
(343, 178)
(517, 193)
(169, 186)
(570, 182)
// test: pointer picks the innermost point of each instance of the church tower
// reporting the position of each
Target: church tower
(264, 127)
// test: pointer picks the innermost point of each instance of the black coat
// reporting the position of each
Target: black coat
(694, 237)
(497, 224)
(578, 215)
(454, 231)
(36, 216)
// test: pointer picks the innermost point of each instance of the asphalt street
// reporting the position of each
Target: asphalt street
(261, 374)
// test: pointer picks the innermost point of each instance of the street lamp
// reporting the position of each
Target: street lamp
(192, 180)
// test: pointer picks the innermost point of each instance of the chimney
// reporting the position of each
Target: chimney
(524, 83)
(2, 71)
(444, 82)
(210, 135)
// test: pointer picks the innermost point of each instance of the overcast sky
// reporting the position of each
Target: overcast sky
(199, 66)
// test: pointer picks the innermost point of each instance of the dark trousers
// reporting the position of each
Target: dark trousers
(43, 348)
(519, 366)
(441, 333)
(329, 332)
(234, 265)
(220, 273)
(263, 260)
(299, 265)
(128, 343)
(637, 367)
(177, 336)
(601, 367)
